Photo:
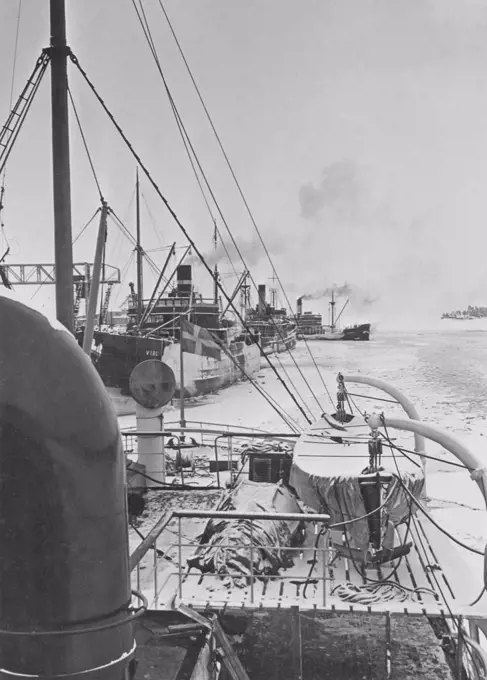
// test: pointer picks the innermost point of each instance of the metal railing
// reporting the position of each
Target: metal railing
(251, 547)
(215, 438)
(206, 431)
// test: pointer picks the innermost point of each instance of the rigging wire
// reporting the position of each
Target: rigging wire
(187, 146)
(121, 225)
(187, 141)
(85, 145)
(456, 620)
(402, 449)
(420, 507)
(81, 231)
(239, 188)
(177, 220)
(290, 422)
(153, 222)
(123, 273)
(182, 131)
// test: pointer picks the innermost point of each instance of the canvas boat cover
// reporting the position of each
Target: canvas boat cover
(269, 538)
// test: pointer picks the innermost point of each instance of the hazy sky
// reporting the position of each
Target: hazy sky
(358, 130)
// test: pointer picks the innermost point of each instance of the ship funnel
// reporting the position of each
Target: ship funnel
(262, 300)
(184, 280)
(64, 568)
(299, 306)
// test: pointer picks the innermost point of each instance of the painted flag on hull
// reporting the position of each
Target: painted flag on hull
(197, 340)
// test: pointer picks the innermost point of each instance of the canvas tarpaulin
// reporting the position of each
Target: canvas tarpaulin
(269, 538)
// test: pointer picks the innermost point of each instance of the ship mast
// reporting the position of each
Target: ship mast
(215, 275)
(140, 283)
(63, 241)
(332, 306)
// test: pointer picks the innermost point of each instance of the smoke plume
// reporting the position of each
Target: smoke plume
(356, 295)
(394, 240)
(250, 250)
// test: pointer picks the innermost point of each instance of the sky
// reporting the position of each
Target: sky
(357, 130)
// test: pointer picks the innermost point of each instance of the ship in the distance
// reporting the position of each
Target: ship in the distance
(276, 330)
(310, 326)
(472, 312)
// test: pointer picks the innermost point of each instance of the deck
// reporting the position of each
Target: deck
(430, 580)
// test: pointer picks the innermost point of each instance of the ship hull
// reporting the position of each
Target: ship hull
(201, 375)
(358, 333)
(279, 343)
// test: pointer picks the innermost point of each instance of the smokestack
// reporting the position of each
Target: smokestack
(262, 301)
(184, 280)
(64, 566)
(299, 306)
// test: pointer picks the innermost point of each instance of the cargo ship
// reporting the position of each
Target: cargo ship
(276, 330)
(310, 326)
(215, 351)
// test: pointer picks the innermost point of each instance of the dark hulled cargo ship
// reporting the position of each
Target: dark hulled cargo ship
(310, 326)
(216, 351)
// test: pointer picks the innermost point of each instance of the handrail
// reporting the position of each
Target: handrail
(233, 514)
(150, 540)
(202, 422)
(249, 435)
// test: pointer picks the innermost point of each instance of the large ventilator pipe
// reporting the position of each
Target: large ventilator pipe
(64, 575)
(401, 398)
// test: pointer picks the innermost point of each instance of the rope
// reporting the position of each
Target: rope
(178, 222)
(239, 188)
(378, 593)
(383, 582)
(182, 129)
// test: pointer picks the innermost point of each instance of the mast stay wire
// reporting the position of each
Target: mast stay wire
(152, 264)
(85, 144)
(185, 136)
(187, 143)
(178, 221)
(181, 128)
(131, 238)
(239, 188)
(152, 220)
